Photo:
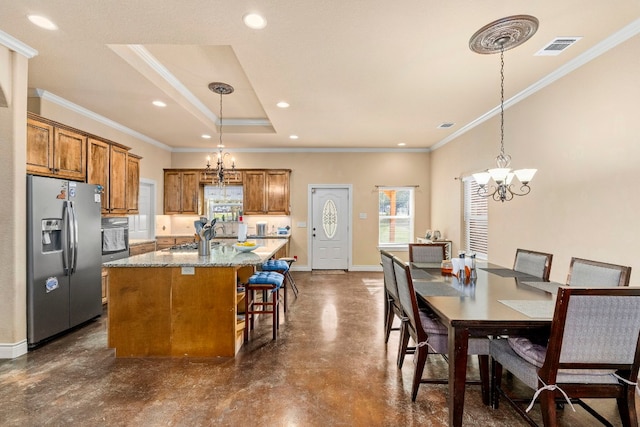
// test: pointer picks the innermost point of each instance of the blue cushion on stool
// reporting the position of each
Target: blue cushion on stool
(267, 278)
(275, 265)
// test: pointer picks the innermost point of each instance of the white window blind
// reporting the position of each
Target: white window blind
(476, 219)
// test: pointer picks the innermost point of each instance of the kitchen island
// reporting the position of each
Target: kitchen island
(177, 303)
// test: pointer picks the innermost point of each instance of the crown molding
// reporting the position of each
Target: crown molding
(48, 96)
(306, 150)
(17, 46)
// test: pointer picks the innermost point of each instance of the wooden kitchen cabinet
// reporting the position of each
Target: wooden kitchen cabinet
(266, 192)
(142, 248)
(55, 151)
(98, 168)
(133, 183)
(118, 172)
(166, 241)
(105, 285)
(181, 190)
(118, 180)
(254, 193)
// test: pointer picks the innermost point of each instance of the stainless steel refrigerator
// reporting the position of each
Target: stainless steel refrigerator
(64, 287)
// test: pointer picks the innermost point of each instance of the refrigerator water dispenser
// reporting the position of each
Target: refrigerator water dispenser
(51, 235)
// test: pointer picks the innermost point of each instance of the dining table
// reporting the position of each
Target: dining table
(495, 302)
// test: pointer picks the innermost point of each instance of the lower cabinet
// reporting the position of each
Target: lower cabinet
(142, 248)
(166, 241)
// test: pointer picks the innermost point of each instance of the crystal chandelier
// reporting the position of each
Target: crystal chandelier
(222, 170)
(498, 36)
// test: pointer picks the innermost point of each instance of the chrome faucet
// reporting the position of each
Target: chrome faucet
(220, 226)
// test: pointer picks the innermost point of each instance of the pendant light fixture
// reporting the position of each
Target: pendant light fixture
(222, 169)
(499, 36)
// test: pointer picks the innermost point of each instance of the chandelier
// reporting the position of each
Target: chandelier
(222, 170)
(498, 36)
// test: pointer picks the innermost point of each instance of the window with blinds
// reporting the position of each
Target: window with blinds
(476, 219)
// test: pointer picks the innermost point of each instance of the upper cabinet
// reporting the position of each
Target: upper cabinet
(59, 151)
(266, 192)
(181, 190)
(55, 151)
(133, 183)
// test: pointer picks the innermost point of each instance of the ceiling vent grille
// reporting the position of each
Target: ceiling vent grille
(445, 125)
(557, 46)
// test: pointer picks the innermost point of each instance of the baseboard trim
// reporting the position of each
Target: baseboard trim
(11, 351)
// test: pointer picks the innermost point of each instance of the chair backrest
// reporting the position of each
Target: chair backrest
(408, 299)
(426, 252)
(596, 328)
(534, 263)
(586, 273)
(389, 275)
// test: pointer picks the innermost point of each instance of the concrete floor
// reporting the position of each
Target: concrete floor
(329, 367)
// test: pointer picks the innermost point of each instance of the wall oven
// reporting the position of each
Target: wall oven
(115, 238)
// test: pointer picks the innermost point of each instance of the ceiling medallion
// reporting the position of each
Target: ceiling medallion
(503, 34)
(221, 88)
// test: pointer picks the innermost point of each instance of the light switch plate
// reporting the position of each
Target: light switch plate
(363, 215)
(302, 224)
(188, 271)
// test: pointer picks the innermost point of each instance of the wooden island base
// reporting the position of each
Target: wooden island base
(176, 311)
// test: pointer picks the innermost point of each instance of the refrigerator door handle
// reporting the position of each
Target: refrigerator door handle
(66, 237)
(74, 240)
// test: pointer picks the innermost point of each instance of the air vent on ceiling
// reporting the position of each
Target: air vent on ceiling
(557, 45)
(445, 125)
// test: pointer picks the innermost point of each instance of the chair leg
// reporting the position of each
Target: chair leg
(388, 320)
(420, 360)
(496, 379)
(548, 407)
(627, 407)
(404, 343)
(483, 365)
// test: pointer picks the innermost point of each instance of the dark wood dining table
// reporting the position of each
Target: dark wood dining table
(500, 301)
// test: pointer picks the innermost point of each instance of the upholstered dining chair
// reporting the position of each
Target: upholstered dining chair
(537, 264)
(392, 306)
(593, 352)
(429, 335)
(427, 252)
(586, 273)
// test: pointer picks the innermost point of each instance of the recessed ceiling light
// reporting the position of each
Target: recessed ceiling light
(42, 22)
(401, 144)
(293, 136)
(205, 136)
(283, 104)
(159, 104)
(254, 21)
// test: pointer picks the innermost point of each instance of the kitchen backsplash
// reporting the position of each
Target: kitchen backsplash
(183, 224)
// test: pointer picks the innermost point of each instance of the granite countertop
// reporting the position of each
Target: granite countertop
(222, 255)
(223, 236)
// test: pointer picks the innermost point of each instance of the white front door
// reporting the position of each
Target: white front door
(330, 227)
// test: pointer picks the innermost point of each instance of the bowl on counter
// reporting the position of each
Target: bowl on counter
(244, 247)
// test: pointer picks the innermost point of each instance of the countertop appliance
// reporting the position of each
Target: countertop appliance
(64, 287)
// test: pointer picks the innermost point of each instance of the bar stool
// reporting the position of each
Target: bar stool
(288, 276)
(267, 282)
(282, 267)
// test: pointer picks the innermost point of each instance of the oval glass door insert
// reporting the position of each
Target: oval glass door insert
(330, 218)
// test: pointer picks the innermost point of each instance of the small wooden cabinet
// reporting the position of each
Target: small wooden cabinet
(266, 192)
(181, 190)
(133, 183)
(164, 242)
(55, 151)
(98, 168)
(141, 248)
